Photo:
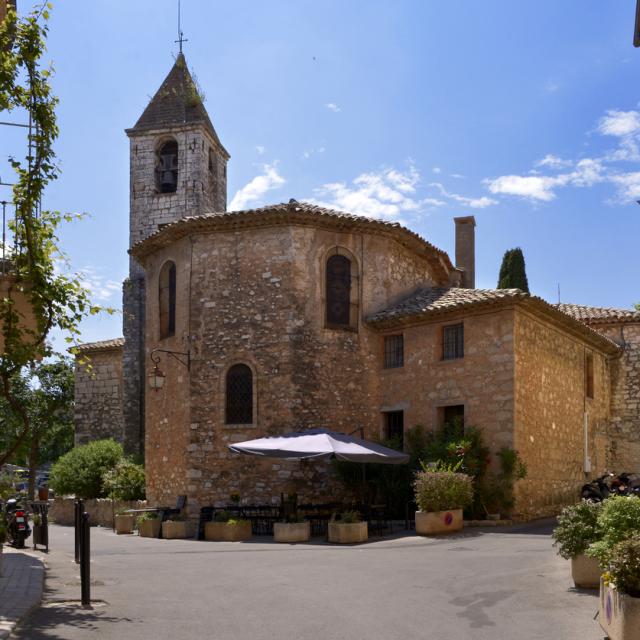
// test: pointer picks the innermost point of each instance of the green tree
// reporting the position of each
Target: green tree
(56, 300)
(513, 274)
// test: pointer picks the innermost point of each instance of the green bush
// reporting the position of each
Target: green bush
(624, 566)
(125, 481)
(619, 519)
(577, 528)
(81, 471)
(443, 490)
(148, 515)
(349, 517)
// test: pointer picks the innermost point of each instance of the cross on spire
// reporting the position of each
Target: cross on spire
(181, 37)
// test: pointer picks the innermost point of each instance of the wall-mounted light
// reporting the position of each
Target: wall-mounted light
(157, 377)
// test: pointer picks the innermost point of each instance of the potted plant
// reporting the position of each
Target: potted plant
(618, 519)
(149, 525)
(226, 528)
(577, 529)
(124, 522)
(620, 591)
(294, 529)
(441, 495)
(349, 528)
(176, 526)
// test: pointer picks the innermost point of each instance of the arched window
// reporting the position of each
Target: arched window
(167, 299)
(167, 167)
(341, 291)
(239, 395)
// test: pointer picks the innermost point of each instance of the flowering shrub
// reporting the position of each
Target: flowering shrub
(577, 528)
(624, 566)
(442, 490)
(619, 519)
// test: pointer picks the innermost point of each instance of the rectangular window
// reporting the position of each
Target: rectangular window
(394, 426)
(452, 419)
(453, 342)
(393, 351)
(588, 373)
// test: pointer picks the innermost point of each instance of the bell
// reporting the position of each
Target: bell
(168, 181)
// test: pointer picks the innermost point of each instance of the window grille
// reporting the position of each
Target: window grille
(239, 392)
(338, 291)
(453, 342)
(393, 351)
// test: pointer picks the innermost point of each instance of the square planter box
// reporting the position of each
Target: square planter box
(291, 531)
(348, 533)
(619, 614)
(124, 523)
(225, 532)
(585, 572)
(436, 523)
(149, 528)
(172, 530)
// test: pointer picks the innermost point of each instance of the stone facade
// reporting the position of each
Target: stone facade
(98, 392)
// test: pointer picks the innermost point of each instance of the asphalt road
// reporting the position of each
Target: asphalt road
(505, 584)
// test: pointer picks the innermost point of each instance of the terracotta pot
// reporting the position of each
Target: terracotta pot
(348, 533)
(291, 531)
(434, 523)
(124, 523)
(225, 532)
(149, 528)
(585, 572)
(172, 530)
(619, 614)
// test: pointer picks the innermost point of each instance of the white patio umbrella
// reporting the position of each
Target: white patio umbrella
(318, 444)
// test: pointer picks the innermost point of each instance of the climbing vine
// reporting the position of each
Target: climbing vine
(55, 300)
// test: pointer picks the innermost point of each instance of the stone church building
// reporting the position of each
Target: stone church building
(250, 323)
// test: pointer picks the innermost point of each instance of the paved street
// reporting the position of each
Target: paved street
(499, 584)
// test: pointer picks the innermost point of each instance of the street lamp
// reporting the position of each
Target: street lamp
(157, 377)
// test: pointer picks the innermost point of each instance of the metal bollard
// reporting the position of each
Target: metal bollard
(79, 510)
(85, 559)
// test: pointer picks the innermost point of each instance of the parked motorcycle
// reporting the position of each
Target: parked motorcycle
(17, 519)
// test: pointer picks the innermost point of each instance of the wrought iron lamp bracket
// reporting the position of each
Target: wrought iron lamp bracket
(176, 355)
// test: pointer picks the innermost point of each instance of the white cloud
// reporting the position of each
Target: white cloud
(332, 106)
(551, 86)
(385, 194)
(101, 289)
(436, 170)
(619, 123)
(307, 153)
(628, 185)
(554, 162)
(260, 149)
(254, 190)
(475, 203)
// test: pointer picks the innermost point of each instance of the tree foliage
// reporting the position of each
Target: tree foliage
(56, 300)
(81, 472)
(513, 274)
(125, 481)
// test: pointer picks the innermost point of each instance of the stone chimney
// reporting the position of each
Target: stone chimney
(466, 250)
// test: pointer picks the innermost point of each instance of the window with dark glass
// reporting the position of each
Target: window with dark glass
(393, 351)
(453, 342)
(239, 392)
(452, 420)
(167, 167)
(394, 426)
(338, 291)
(589, 377)
(167, 299)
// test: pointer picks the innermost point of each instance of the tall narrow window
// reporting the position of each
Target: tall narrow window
(589, 377)
(338, 291)
(453, 342)
(167, 167)
(394, 427)
(239, 395)
(393, 351)
(167, 299)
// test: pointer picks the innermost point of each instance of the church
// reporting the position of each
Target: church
(241, 324)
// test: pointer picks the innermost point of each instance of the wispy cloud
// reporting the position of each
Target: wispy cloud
(551, 86)
(254, 191)
(554, 162)
(307, 153)
(260, 149)
(474, 203)
(437, 170)
(619, 123)
(332, 106)
(101, 288)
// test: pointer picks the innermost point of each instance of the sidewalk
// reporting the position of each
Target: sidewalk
(21, 586)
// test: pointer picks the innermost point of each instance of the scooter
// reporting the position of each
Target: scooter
(17, 518)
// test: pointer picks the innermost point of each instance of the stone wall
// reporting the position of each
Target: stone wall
(101, 511)
(257, 297)
(550, 408)
(624, 430)
(98, 397)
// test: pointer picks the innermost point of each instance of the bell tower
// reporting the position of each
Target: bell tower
(178, 168)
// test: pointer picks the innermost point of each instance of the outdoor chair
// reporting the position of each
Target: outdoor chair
(164, 512)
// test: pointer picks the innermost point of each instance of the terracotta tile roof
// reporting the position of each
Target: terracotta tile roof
(599, 315)
(177, 102)
(298, 213)
(437, 303)
(102, 345)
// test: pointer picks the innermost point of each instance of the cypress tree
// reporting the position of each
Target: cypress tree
(513, 274)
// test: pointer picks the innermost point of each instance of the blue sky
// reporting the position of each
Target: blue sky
(523, 114)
